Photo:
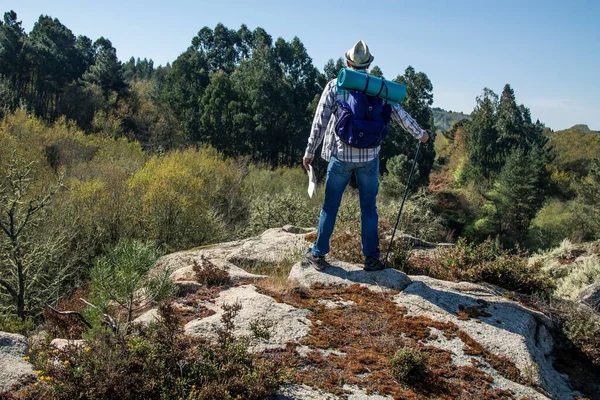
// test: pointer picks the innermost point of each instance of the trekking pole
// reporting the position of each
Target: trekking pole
(412, 169)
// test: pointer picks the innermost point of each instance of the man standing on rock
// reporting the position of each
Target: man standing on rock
(343, 160)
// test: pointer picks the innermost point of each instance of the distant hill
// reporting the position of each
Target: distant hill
(443, 119)
(581, 128)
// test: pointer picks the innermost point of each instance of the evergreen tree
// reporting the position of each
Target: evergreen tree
(518, 193)
(419, 97)
(376, 71)
(332, 68)
(12, 58)
(484, 147)
(106, 71)
(509, 121)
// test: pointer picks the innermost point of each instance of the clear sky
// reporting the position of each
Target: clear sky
(548, 51)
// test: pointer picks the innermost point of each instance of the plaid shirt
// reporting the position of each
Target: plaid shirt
(323, 127)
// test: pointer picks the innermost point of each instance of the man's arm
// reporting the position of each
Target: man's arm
(400, 116)
(320, 121)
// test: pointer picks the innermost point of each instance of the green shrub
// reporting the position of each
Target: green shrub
(277, 210)
(555, 221)
(418, 216)
(155, 362)
(187, 198)
(409, 364)
(488, 262)
(13, 324)
(584, 333)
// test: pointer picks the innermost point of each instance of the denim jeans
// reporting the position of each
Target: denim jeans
(338, 176)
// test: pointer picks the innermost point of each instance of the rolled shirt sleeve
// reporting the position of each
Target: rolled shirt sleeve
(400, 116)
(321, 119)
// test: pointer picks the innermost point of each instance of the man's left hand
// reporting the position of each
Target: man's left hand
(424, 138)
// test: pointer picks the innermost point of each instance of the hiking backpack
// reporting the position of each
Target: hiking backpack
(362, 120)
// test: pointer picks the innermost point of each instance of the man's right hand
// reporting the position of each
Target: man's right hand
(425, 137)
(306, 162)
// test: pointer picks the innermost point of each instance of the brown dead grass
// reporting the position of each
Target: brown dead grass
(369, 333)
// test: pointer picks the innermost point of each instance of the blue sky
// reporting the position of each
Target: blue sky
(548, 51)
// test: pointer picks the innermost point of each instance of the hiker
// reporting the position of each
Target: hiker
(343, 160)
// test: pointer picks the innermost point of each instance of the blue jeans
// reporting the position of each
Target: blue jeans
(338, 176)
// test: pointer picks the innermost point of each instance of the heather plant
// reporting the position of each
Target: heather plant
(154, 362)
(208, 273)
(489, 262)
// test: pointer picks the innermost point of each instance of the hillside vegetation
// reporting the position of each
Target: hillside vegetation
(105, 165)
(443, 119)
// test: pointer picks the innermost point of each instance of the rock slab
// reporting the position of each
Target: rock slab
(13, 348)
(285, 323)
(345, 274)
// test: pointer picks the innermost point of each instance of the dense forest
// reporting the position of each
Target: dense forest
(96, 151)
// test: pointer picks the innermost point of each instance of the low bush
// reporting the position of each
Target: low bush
(418, 217)
(552, 223)
(584, 333)
(488, 262)
(156, 362)
(581, 274)
(279, 209)
(209, 274)
(13, 324)
(409, 364)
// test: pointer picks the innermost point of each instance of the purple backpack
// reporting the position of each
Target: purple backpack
(362, 120)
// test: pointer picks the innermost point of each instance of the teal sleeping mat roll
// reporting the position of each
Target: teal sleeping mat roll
(371, 85)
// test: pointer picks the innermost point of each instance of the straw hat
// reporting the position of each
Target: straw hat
(359, 55)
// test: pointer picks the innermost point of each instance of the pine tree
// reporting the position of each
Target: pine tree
(518, 193)
(484, 150)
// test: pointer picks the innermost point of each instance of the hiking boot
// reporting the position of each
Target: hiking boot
(317, 262)
(373, 264)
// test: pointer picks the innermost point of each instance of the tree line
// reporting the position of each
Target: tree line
(240, 91)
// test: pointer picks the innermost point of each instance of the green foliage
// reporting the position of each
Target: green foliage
(588, 198)
(122, 276)
(574, 150)
(409, 365)
(393, 184)
(484, 151)
(515, 198)
(554, 222)
(487, 262)
(106, 71)
(419, 97)
(418, 216)
(157, 362)
(186, 198)
(270, 211)
(444, 120)
(12, 324)
(584, 333)
(278, 197)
